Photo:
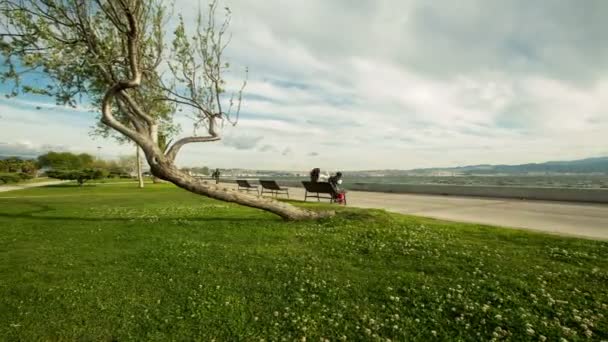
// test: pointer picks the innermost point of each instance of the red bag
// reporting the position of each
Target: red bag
(340, 198)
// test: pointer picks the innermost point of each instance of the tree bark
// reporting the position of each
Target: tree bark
(140, 176)
(169, 172)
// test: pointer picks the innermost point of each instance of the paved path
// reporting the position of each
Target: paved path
(5, 188)
(565, 218)
(589, 220)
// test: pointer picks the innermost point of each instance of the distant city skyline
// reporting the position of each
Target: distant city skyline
(384, 85)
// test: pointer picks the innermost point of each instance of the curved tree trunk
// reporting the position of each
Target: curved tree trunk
(287, 211)
(144, 128)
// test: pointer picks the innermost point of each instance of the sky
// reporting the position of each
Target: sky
(378, 84)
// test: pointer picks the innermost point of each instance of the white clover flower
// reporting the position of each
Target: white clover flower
(498, 317)
(433, 332)
(530, 331)
(276, 314)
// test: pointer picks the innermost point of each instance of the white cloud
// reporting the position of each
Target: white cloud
(242, 142)
(399, 84)
(27, 149)
(53, 128)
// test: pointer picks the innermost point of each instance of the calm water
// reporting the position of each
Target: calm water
(584, 182)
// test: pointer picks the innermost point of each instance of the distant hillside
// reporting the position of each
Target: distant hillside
(18, 156)
(589, 165)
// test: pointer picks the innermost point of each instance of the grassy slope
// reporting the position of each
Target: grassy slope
(115, 262)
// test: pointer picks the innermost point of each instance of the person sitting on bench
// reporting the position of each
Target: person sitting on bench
(335, 182)
(314, 174)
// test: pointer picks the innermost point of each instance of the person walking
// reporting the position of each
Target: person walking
(216, 175)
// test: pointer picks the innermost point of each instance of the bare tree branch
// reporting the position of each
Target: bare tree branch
(174, 149)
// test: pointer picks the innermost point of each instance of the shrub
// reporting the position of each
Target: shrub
(6, 178)
(24, 176)
(81, 176)
(118, 174)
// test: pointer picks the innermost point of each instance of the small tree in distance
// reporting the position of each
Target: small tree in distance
(113, 51)
(80, 176)
(128, 164)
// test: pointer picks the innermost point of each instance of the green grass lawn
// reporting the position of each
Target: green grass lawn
(112, 262)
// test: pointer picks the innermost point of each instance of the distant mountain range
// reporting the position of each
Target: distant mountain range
(589, 165)
(19, 156)
(581, 166)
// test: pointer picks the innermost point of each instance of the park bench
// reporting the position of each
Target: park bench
(245, 186)
(319, 189)
(271, 187)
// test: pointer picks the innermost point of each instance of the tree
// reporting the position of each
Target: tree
(6, 178)
(128, 164)
(131, 165)
(65, 160)
(140, 175)
(113, 52)
(201, 170)
(29, 167)
(18, 165)
(81, 176)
